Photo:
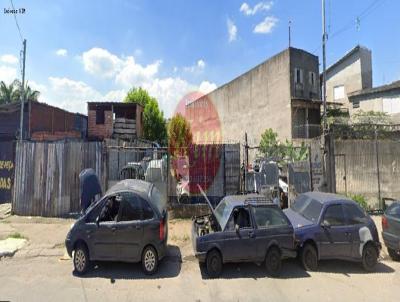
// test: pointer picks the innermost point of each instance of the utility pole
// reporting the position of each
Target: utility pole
(21, 126)
(324, 66)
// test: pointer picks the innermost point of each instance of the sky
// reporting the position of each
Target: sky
(80, 51)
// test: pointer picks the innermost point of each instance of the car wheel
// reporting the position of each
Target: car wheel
(214, 264)
(393, 254)
(273, 262)
(149, 260)
(309, 258)
(81, 259)
(369, 257)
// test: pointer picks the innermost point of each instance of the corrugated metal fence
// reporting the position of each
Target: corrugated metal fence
(46, 181)
(368, 167)
(47, 176)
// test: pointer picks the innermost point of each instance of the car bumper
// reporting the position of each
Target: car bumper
(391, 241)
(201, 256)
(69, 246)
(162, 250)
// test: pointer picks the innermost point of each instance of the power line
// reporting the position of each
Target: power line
(16, 21)
(366, 12)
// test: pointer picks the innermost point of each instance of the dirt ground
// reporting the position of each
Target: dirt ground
(41, 271)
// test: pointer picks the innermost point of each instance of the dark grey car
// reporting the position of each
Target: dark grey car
(128, 224)
(391, 230)
(243, 228)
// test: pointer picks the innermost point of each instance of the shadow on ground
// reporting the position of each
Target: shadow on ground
(290, 270)
(169, 267)
(347, 267)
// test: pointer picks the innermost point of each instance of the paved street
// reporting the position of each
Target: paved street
(41, 272)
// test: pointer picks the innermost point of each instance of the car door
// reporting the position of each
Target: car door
(334, 236)
(271, 224)
(239, 245)
(129, 231)
(392, 231)
(356, 219)
(102, 233)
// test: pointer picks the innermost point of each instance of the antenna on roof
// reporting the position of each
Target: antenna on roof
(290, 23)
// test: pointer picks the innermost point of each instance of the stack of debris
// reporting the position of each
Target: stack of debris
(124, 128)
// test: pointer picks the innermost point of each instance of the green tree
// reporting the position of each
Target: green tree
(371, 118)
(270, 146)
(154, 124)
(179, 135)
(138, 95)
(12, 93)
(8, 93)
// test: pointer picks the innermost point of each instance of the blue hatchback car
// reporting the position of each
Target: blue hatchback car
(329, 226)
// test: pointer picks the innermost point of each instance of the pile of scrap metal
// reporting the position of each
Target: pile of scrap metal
(265, 178)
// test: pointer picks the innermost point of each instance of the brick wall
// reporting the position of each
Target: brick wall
(100, 131)
(57, 135)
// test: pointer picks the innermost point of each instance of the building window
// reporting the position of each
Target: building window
(356, 104)
(338, 92)
(311, 77)
(100, 116)
(298, 76)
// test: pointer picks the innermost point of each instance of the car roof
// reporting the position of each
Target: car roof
(324, 198)
(138, 186)
(238, 200)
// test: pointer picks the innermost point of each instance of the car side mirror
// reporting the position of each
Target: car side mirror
(237, 228)
(97, 221)
(325, 224)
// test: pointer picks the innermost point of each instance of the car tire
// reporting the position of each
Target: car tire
(369, 257)
(149, 260)
(393, 254)
(81, 259)
(214, 264)
(273, 262)
(309, 257)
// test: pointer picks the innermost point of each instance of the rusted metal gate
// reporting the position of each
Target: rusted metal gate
(6, 170)
(46, 181)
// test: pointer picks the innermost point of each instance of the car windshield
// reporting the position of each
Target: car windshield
(222, 212)
(307, 207)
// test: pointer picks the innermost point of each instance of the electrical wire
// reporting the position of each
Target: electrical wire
(366, 12)
(16, 21)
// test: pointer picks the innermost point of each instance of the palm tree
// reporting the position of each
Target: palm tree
(12, 93)
(9, 94)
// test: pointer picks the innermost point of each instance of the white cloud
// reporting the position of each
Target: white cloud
(70, 95)
(36, 86)
(8, 74)
(125, 70)
(125, 73)
(261, 6)
(198, 67)
(207, 87)
(266, 26)
(9, 59)
(101, 62)
(133, 74)
(61, 52)
(232, 30)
